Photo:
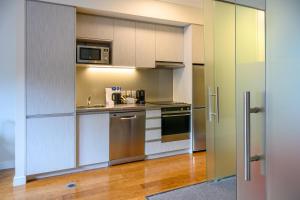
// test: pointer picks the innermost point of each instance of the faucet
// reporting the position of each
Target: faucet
(89, 100)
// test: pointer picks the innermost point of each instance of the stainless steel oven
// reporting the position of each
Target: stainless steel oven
(175, 122)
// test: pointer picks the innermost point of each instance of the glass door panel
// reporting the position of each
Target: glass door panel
(224, 63)
(250, 76)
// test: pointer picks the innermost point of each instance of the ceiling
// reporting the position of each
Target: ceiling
(193, 3)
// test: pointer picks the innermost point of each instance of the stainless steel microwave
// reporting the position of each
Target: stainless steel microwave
(88, 54)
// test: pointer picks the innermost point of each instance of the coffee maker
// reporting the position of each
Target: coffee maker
(116, 97)
(140, 96)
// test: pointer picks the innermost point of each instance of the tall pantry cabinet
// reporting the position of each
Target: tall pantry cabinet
(50, 87)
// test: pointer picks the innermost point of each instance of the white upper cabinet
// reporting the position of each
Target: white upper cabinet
(197, 44)
(50, 68)
(124, 43)
(94, 27)
(145, 45)
(169, 43)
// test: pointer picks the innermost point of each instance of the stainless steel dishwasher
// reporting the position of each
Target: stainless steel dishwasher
(126, 137)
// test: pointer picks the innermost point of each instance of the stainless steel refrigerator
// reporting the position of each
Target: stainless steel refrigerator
(199, 128)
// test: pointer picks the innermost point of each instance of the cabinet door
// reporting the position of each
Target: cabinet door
(169, 43)
(198, 44)
(50, 70)
(93, 138)
(50, 144)
(94, 27)
(145, 45)
(124, 43)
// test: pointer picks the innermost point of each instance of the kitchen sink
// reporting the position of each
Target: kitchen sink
(92, 106)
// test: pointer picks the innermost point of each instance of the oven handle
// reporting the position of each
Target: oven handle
(179, 115)
(176, 112)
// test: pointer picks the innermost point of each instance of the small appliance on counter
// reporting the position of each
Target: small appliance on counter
(113, 96)
(116, 98)
(140, 96)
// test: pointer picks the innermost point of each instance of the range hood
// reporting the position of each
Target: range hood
(169, 65)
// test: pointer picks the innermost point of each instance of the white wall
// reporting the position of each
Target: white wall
(182, 78)
(7, 85)
(146, 10)
(12, 87)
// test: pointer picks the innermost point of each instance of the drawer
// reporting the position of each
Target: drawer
(153, 123)
(159, 147)
(154, 134)
(153, 113)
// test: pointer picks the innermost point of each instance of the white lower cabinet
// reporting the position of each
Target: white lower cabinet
(157, 147)
(50, 144)
(153, 134)
(93, 138)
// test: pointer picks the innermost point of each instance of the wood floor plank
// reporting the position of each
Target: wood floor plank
(131, 181)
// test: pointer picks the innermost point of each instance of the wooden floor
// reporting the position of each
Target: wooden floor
(129, 181)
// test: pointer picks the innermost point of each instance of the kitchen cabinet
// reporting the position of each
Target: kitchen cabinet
(50, 144)
(145, 45)
(197, 44)
(153, 125)
(158, 147)
(124, 43)
(169, 43)
(50, 87)
(93, 138)
(50, 69)
(94, 27)
(153, 134)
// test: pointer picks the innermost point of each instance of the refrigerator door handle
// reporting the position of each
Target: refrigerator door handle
(210, 112)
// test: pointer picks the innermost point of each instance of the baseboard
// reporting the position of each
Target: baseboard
(68, 171)
(166, 154)
(20, 180)
(7, 164)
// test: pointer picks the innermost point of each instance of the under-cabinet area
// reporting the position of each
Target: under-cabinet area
(103, 90)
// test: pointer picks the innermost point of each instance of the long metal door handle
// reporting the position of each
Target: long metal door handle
(218, 104)
(247, 143)
(127, 118)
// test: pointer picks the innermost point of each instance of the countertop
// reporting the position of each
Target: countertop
(127, 107)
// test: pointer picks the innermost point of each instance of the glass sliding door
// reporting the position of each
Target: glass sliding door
(250, 77)
(224, 66)
(237, 101)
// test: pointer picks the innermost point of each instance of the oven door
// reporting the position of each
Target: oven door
(175, 126)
